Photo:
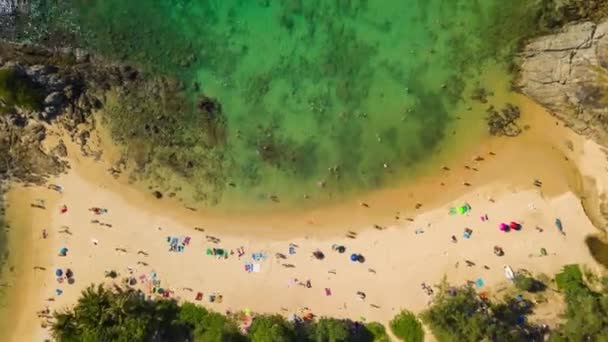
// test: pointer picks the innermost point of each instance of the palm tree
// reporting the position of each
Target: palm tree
(64, 327)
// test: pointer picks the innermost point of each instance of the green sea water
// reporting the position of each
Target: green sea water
(317, 96)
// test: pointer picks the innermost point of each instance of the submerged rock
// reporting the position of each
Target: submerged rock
(567, 72)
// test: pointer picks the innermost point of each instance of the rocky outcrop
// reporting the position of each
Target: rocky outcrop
(68, 87)
(567, 72)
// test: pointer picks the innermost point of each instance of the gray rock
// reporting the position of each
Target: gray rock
(567, 73)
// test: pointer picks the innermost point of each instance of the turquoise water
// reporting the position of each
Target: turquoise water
(317, 96)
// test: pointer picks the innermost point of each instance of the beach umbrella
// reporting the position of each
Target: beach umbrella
(354, 257)
(63, 251)
(58, 272)
(360, 258)
(341, 249)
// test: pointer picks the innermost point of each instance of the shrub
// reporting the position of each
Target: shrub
(275, 328)
(407, 327)
(18, 90)
(377, 331)
(329, 330)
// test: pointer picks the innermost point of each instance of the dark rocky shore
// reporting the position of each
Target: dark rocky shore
(60, 88)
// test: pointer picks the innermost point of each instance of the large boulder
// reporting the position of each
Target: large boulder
(567, 72)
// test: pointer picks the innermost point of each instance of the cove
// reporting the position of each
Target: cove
(301, 98)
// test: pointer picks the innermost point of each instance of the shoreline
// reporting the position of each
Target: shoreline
(386, 204)
(135, 219)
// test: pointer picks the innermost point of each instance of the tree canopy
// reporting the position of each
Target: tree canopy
(457, 314)
(586, 316)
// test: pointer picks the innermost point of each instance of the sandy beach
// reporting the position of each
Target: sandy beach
(403, 247)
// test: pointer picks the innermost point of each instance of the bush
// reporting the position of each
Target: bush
(570, 278)
(463, 316)
(586, 312)
(329, 330)
(19, 90)
(271, 328)
(527, 283)
(407, 327)
(377, 331)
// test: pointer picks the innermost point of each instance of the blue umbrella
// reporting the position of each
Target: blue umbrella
(354, 257)
(59, 272)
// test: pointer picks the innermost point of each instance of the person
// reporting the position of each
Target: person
(559, 225)
(44, 234)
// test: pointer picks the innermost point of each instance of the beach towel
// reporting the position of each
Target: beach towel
(292, 250)
(249, 267)
(479, 282)
(256, 268)
(327, 291)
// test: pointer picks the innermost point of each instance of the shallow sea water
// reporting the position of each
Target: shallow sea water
(320, 96)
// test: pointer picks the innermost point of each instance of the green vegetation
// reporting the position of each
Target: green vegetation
(587, 310)
(407, 327)
(461, 315)
(525, 282)
(457, 314)
(18, 90)
(271, 328)
(126, 315)
(378, 332)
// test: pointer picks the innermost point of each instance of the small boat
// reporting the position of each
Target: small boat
(509, 272)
